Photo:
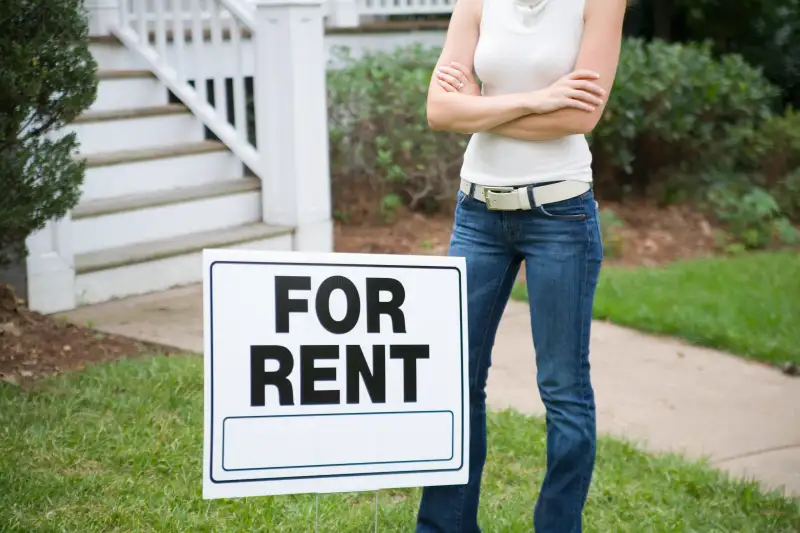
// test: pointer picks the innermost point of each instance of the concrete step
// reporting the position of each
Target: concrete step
(121, 89)
(130, 129)
(130, 172)
(113, 222)
(110, 54)
(162, 264)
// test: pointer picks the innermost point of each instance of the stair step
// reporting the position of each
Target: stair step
(132, 172)
(136, 112)
(161, 198)
(151, 251)
(110, 130)
(124, 74)
(127, 89)
(120, 157)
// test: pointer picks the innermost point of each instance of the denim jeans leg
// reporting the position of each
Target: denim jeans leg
(491, 270)
(563, 254)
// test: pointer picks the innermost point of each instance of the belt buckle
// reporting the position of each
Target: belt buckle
(497, 190)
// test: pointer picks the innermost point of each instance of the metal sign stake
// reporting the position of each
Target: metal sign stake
(376, 510)
(316, 506)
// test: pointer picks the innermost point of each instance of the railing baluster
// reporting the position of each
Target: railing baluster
(179, 38)
(141, 22)
(124, 15)
(198, 43)
(161, 30)
(239, 103)
(220, 93)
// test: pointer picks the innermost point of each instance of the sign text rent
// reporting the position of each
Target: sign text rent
(355, 367)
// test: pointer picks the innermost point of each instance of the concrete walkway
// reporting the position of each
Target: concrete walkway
(662, 393)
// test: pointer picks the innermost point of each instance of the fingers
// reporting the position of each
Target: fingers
(584, 96)
(588, 87)
(446, 86)
(448, 79)
(583, 74)
(454, 73)
(577, 104)
(467, 73)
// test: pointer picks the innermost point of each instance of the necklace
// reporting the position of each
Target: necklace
(527, 11)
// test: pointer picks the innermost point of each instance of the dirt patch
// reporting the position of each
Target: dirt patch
(33, 345)
(650, 235)
(410, 233)
(655, 236)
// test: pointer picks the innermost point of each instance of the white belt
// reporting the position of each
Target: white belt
(515, 198)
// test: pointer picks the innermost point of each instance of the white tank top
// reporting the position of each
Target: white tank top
(526, 45)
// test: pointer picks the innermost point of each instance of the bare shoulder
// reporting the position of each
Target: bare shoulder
(468, 10)
(606, 10)
(462, 33)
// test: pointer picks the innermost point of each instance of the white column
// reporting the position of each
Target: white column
(343, 13)
(292, 119)
(51, 268)
(102, 15)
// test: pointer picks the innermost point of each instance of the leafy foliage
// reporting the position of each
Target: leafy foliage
(752, 215)
(378, 127)
(675, 111)
(778, 161)
(765, 33)
(48, 80)
(610, 226)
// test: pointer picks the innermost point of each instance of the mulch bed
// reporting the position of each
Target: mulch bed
(33, 345)
(652, 235)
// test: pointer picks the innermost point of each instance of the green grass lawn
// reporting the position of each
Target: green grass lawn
(118, 448)
(748, 305)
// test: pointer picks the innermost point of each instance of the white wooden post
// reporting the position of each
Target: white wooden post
(102, 15)
(343, 13)
(292, 120)
(51, 268)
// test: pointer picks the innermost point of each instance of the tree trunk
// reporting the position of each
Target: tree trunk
(16, 276)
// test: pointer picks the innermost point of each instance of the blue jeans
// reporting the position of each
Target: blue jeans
(560, 244)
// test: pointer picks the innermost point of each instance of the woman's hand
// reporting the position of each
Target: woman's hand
(575, 90)
(456, 78)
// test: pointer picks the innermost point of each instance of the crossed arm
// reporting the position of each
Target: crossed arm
(516, 115)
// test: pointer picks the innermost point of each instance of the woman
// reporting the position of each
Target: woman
(546, 68)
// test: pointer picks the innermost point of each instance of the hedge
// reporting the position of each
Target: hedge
(679, 123)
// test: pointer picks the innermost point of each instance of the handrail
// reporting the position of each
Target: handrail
(168, 65)
(245, 14)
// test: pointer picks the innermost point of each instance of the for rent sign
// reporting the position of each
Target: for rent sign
(333, 372)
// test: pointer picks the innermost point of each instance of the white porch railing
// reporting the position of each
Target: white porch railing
(286, 37)
(404, 7)
(339, 12)
(147, 26)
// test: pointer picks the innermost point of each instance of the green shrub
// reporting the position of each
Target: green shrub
(787, 193)
(752, 215)
(765, 33)
(777, 161)
(610, 226)
(47, 75)
(379, 130)
(675, 112)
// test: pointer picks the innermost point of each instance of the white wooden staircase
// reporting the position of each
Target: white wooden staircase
(169, 171)
(156, 193)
